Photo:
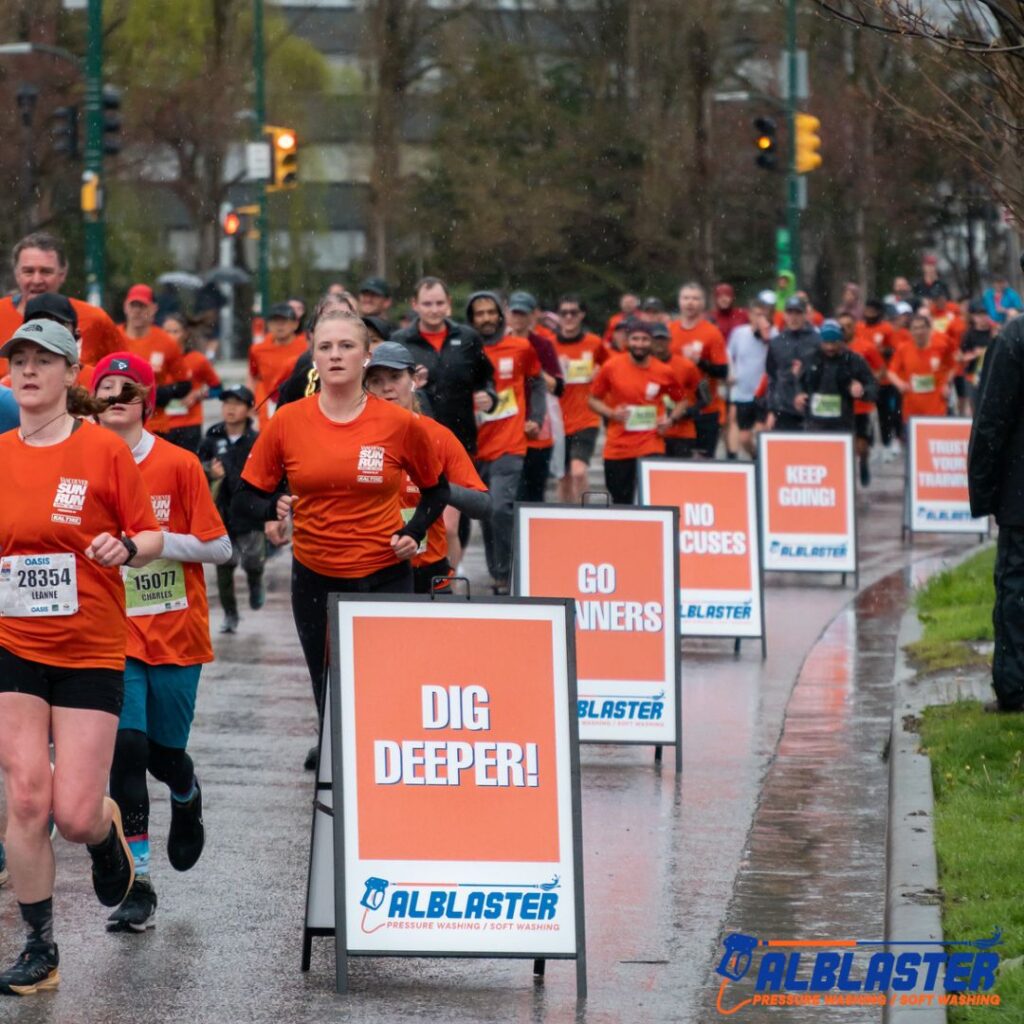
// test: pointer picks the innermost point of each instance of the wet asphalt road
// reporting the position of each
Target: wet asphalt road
(776, 828)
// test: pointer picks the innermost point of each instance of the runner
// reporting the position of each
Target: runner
(223, 453)
(390, 376)
(375, 298)
(168, 639)
(343, 453)
(748, 351)
(62, 672)
(303, 381)
(41, 267)
(700, 341)
(581, 354)
(869, 347)
(629, 302)
(628, 392)
(726, 314)
(973, 346)
(141, 337)
(186, 417)
(918, 371)
(681, 435)
(890, 414)
(787, 353)
(272, 360)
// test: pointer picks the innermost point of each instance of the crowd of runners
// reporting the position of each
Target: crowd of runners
(370, 447)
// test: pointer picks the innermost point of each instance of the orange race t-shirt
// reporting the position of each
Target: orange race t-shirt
(68, 493)
(688, 377)
(270, 365)
(182, 504)
(458, 468)
(201, 373)
(165, 356)
(703, 341)
(866, 348)
(500, 432)
(580, 359)
(347, 478)
(925, 371)
(621, 383)
(546, 437)
(100, 335)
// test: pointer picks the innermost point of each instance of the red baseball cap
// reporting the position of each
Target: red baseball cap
(125, 364)
(140, 293)
(725, 289)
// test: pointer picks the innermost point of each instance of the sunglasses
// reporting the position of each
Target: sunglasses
(570, 312)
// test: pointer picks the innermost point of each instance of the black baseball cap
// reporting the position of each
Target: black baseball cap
(379, 326)
(660, 330)
(636, 325)
(51, 306)
(794, 304)
(652, 304)
(376, 286)
(282, 311)
(241, 393)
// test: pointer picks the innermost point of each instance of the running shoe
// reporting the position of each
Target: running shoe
(3, 866)
(138, 912)
(257, 594)
(187, 836)
(113, 869)
(34, 971)
(230, 624)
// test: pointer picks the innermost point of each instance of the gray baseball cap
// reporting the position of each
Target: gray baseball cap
(393, 355)
(522, 302)
(48, 334)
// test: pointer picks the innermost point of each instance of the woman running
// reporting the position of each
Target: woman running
(80, 512)
(343, 453)
(184, 416)
(168, 639)
(391, 375)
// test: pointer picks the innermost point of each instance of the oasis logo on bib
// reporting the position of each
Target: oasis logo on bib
(70, 498)
(371, 460)
(161, 507)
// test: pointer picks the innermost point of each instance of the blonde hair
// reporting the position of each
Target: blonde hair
(329, 315)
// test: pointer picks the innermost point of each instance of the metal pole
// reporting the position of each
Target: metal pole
(262, 296)
(792, 178)
(95, 241)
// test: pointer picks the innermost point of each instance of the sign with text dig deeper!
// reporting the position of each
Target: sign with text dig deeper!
(807, 502)
(448, 812)
(620, 566)
(719, 571)
(937, 500)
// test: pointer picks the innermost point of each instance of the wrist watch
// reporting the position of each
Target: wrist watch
(130, 547)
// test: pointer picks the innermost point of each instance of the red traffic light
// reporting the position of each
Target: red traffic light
(232, 223)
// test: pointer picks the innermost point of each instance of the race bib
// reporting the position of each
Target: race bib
(642, 417)
(32, 586)
(826, 407)
(176, 408)
(407, 514)
(580, 371)
(155, 589)
(922, 383)
(506, 408)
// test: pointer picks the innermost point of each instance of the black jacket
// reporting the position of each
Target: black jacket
(995, 458)
(784, 349)
(454, 374)
(301, 383)
(233, 456)
(832, 376)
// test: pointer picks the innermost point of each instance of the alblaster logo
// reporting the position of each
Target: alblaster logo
(620, 707)
(460, 906)
(943, 515)
(807, 550)
(734, 611)
(858, 972)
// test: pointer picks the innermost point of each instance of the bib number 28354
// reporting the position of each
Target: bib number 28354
(33, 586)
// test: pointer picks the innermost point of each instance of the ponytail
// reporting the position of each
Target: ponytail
(82, 403)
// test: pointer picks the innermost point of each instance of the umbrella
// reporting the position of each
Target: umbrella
(226, 275)
(180, 279)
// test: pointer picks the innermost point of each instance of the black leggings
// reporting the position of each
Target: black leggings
(620, 479)
(310, 591)
(134, 754)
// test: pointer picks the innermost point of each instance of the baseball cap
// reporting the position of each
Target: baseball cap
(241, 393)
(378, 325)
(126, 364)
(903, 308)
(635, 325)
(522, 302)
(140, 293)
(830, 330)
(51, 306)
(725, 289)
(376, 286)
(48, 334)
(659, 330)
(977, 306)
(767, 297)
(794, 304)
(930, 259)
(652, 304)
(282, 311)
(392, 355)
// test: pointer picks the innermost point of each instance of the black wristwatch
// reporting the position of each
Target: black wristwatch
(130, 547)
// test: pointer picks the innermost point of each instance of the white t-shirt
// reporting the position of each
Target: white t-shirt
(747, 355)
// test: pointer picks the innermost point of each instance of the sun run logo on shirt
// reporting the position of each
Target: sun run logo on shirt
(371, 464)
(161, 507)
(69, 499)
(506, 366)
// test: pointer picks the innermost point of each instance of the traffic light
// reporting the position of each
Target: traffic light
(231, 224)
(65, 131)
(808, 143)
(111, 120)
(284, 157)
(767, 155)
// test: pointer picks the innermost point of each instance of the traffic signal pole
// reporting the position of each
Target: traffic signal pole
(262, 297)
(792, 177)
(92, 176)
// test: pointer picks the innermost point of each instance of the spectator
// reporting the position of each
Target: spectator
(726, 314)
(1001, 301)
(931, 286)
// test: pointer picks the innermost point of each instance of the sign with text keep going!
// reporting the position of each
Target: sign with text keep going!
(807, 502)
(937, 499)
(459, 787)
(618, 565)
(719, 575)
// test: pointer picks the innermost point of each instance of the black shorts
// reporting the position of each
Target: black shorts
(680, 447)
(748, 414)
(580, 446)
(708, 429)
(87, 689)
(960, 386)
(422, 575)
(862, 427)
